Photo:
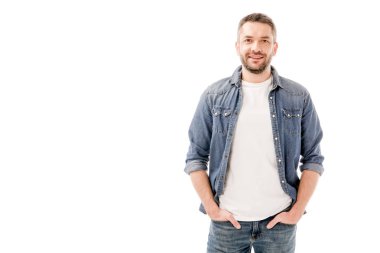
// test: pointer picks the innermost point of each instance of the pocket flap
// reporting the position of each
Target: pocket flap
(292, 113)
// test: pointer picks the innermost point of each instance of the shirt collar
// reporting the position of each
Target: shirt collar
(236, 78)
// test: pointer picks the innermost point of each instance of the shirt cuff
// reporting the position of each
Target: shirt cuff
(194, 166)
(314, 167)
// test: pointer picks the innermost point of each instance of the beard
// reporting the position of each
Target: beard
(256, 70)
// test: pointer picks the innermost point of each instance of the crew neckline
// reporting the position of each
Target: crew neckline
(257, 85)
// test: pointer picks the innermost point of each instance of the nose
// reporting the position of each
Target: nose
(255, 48)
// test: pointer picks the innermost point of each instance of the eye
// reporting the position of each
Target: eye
(247, 40)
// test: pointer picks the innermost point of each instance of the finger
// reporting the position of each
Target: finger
(273, 223)
(234, 222)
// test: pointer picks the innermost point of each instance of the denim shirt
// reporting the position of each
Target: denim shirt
(295, 125)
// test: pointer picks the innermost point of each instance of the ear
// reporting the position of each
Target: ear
(237, 47)
(275, 46)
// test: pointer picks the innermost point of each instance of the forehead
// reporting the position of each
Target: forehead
(256, 30)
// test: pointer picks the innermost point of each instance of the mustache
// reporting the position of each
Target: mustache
(256, 54)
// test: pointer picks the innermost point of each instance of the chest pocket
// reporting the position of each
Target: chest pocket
(292, 121)
(221, 119)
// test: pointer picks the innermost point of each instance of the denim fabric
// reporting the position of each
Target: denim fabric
(224, 237)
(296, 131)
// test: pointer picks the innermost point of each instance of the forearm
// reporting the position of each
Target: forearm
(308, 183)
(202, 186)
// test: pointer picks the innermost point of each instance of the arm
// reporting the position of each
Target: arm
(202, 186)
(311, 166)
(200, 133)
(309, 180)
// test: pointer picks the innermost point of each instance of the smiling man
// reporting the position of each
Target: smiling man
(247, 137)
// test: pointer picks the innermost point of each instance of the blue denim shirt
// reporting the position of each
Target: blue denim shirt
(296, 131)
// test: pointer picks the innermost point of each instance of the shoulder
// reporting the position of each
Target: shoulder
(293, 87)
(225, 84)
(219, 87)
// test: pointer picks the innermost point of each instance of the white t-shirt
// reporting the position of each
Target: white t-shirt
(253, 190)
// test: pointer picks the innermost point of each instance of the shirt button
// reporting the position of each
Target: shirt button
(273, 115)
(275, 138)
(270, 97)
(282, 181)
(279, 160)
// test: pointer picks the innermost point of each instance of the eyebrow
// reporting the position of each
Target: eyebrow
(263, 37)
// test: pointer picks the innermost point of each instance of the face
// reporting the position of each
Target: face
(256, 46)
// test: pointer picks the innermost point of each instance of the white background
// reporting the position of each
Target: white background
(95, 102)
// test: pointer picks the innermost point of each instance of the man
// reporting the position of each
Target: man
(250, 131)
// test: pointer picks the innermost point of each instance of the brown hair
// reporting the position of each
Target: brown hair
(261, 18)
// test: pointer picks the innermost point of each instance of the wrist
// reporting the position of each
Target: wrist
(298, 209)
(211, 209)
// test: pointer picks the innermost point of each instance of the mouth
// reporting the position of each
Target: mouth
(255, 57)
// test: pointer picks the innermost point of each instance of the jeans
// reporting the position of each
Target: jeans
(224, 237)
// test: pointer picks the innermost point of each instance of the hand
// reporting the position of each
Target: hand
(223, 215)
(291, 217)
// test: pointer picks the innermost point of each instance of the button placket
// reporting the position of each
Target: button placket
(276, 138)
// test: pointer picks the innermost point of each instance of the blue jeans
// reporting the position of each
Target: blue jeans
(224, 237)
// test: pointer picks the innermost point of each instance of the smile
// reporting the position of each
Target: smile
(256, 57)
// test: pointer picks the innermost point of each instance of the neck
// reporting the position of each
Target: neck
(255, 78)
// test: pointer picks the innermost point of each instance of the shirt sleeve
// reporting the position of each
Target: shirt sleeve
(200, 132)
(311, 137)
